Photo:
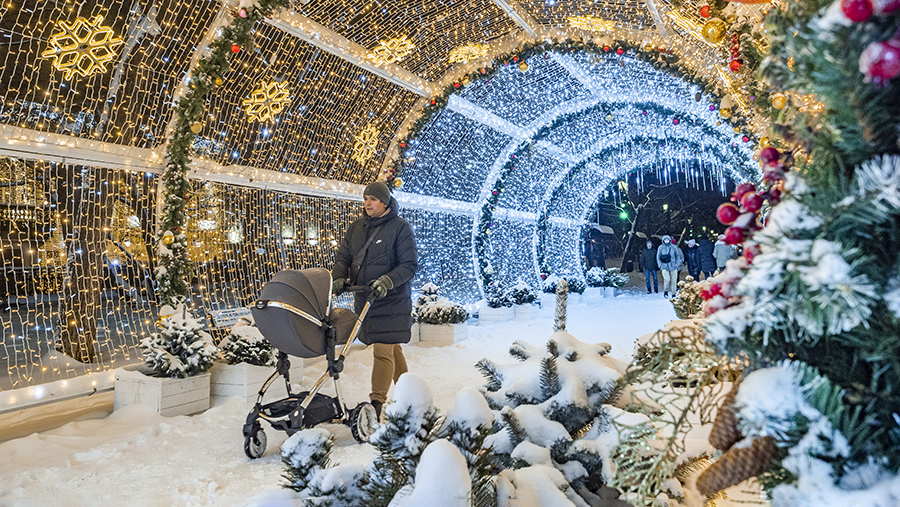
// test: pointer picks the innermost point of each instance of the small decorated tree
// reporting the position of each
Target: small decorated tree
(595, 277)
(182, 349)
(689, 300)
(615, 278)
(521, 293)
(496, 295)
(245, 344)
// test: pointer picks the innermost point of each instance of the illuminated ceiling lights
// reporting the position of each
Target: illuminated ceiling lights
(83, 47)
(267, 101)
(468, 52)
(364, 147)
(392, 51)
(591, 23)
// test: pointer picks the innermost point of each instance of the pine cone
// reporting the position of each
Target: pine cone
(737, 465)
(725, 429)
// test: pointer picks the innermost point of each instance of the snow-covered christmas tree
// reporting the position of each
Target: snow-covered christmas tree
(245, 344)
(182, 349)
(432, 308)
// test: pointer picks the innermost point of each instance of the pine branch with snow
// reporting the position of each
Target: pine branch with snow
(246, 344)
(304, 454)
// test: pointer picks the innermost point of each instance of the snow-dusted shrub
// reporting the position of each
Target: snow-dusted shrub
(182, 349)
(496, 295)
(245, 344)
(431, 308)
(521, 293)
(549, 284)
(554, 409)
(576, 284)
(615, 278)
(595, 277)
(304, 454)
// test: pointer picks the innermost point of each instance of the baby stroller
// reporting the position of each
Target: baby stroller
(294, 314)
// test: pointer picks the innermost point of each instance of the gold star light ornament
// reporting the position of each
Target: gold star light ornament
(591, 23)
(267, 101)
(365, 144)
(83, 47)
(392, 51)
(468, 52)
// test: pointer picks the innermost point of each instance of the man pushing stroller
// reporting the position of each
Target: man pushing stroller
(379, 250)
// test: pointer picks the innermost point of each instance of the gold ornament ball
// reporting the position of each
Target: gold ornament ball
(737, 130)
(466, 80)
(779, 100)
(714, 31)
(398, 183)
(168, 239)
(763, 142)
(523, 66)
(725, 112)
(219, 81)
(197, 127)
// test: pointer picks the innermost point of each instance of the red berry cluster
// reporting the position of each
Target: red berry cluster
(746, 217)
(736, 60)
(880, 62)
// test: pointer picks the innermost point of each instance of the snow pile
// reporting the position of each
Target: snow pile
(245, 344)
(431, 308)
(442, 479)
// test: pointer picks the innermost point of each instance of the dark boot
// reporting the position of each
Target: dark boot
(665, 294)
(377, 405)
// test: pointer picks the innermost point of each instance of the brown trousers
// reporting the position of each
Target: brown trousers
(389, 364)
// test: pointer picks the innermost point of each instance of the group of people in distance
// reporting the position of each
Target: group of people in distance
(701, 259)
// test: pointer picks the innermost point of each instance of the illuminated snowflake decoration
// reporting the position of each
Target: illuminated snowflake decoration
(392, 51)
(267, 101)
(591, 23)
(365, 144)
(463, 54)
(84, 46)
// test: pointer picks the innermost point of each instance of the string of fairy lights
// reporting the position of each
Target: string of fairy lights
(78, 242)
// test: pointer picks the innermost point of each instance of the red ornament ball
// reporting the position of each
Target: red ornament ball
(880, 61)
(403, 145)
(644, 113)
(734, 236)
(433, 102)
(704, 11)
(735, 65)
(515, 58)
(675, 121)
(235, 48)
(620, 51)
(483, 70)
(751, 202)
(606, 47)
(456, 85)
(742, 189)
(727, 213)
(769, 155)
(885, 7)
(745, 139)
(242, 13)
(857, 10)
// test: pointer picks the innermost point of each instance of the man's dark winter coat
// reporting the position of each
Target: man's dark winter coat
(648, 260)
(391, 253)
(692, 258)
(707, 261)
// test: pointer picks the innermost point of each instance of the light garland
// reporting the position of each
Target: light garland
(591, 23)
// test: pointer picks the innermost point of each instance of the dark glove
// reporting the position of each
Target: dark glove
(337, 286)
(381, 286)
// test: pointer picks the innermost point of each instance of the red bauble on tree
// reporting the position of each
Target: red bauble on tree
(235, 48)
(620, 51)
(751, 202)
(742, 189)
(769, 155)
(704, 11)
(734, 236)
(735, 65)
(606, 47)
(727, 213)
(857, 10)
(885, 7)
(880, 61)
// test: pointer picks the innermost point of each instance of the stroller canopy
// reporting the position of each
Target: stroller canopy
(307, 290)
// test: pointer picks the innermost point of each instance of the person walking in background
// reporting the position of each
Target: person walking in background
(648, 264)
(707, 261)
(692, 259)
(723, 253)
(669, 259)
(379, 250)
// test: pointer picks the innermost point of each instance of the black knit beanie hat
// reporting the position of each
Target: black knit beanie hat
(379, 190)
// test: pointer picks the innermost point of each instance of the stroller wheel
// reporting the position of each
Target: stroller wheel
(255, 444)
(362, 422)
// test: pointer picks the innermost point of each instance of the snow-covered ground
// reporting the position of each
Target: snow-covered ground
(135, 457)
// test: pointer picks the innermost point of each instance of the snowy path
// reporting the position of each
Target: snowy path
(135, 457)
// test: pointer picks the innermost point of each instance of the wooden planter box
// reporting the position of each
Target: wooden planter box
(414, 333)
(245, 380)
(609, 292)
(524, 312)
(488, 315)
(168, 396)
(432, 335)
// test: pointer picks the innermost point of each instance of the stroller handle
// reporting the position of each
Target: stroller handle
(366, 289)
